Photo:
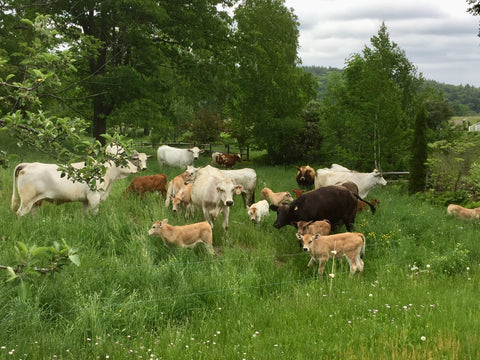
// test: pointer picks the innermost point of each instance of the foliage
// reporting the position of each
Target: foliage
(206, 126)
(418, 169)
(453, 263)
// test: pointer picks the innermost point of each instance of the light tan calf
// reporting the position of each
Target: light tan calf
(464, 213)
(277, 199)
(183, 200)
(185, 235)
(322, 227)
(348, 244)
(179, 182)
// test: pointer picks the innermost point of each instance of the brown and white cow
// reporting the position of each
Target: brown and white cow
(36, 182)
(150, 183)
(183, 235)
(213, 193)
(183, 199)
(339, 174)
(322, 248)
(463, 213)
(256, 212)
(225, 160)
(178, 182)
(305, 176)
(276, 198)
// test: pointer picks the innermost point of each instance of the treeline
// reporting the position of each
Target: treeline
(463, 99)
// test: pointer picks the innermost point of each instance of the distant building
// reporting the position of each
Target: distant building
(474, 127)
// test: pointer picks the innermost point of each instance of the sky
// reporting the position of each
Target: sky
(438, 36)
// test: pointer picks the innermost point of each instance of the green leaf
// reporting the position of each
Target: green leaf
(74, 258)
(11, 274)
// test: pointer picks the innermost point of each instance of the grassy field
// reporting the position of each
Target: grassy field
(134, 298)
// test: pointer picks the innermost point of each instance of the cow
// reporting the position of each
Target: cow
(225, 160)
(256, 212)
(305, 176)
(333, 203)
(183, 235)
(354, 189)
(463, 213)
(322, 227)
(298, 192)
(137, 159)
(276, 198)
(176, 157)
(150, 183)
(178, 182)
(183, 199)
(338, 174)
(362, 205)
(213, 193)
(245, 177)
(321, 248)
(36, 182)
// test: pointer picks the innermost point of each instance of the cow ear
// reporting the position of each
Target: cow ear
(273, 207)
(294, 224)
(297, 168)
(316, 236)
(218, 189)
(149, 156)
(165, 221)
(238, 189)
(299, 237)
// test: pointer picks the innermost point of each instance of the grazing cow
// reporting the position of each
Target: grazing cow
(298, 192)
(37, 181)
(305, 176)
(279, 198)
(213, 193)
(151, 183)
(225, 160)
(183, 199)
(333, 203)
(463, 213)
(321, 248)
(322, 227)
(362, 205)
(185, 235)
(258, 211)
(339, 174)
(178, 182)
(176, 157)
(137, 159)
(245, 177)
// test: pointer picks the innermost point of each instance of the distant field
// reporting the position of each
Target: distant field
(133, 298)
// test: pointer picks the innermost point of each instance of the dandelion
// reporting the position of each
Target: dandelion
(370, 295)
(428, 266)
(331, 275)
(334, 252)
(276, 345)
(423, 338)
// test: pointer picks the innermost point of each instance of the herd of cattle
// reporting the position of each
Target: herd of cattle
(328, 198)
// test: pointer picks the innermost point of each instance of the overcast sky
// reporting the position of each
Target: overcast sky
(438, 36)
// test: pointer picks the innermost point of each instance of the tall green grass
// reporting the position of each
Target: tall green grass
(132, 297)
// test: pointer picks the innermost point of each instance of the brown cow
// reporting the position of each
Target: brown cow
(149, 183)
(225, 160)
(463, 213)
(298, 192)
(183, 236)
(321, 248)
(362, 205)
(305, 176)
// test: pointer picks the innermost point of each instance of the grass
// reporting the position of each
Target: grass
(134, 298)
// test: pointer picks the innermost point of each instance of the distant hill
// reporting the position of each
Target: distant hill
(464, 99)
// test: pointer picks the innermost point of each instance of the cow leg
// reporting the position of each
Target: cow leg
(312, 260)
(321, 268)
(225, 213)
(25, 207)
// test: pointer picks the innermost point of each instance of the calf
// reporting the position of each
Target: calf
(225, 160)
(277, 199)
(178, 182)
(183, 199)
(463, 213)
(321, 248)
(183, 236)
(322, 227)
(258, 211)
(298, 192)
(305, 176)
(363, 205)
(150, 183)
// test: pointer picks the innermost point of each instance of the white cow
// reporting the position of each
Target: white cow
(213, 193)
(37, 181)
(338, 174)
(258, 211)
(137, 159)
(245, 177)
(176, 157)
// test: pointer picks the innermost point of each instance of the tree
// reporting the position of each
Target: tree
(271, 90)
(418, 169)
(474, 8)
(369, 108)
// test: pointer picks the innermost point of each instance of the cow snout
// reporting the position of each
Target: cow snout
(305, 248)
(229, 203)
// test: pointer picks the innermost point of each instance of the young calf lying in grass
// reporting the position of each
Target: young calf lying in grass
(321, 248)
(463, 213)
(185, 235)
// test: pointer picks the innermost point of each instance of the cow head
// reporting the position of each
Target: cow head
(237, 157)
(379, 178)
(196, 152)
(284, 216)
(157, 227)
(190, 174)
(252, 213)
(139, 160)
(307, 240)
(226, 190)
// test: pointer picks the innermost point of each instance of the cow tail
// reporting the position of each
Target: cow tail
(14, 205)
(372, 207)
(362, 252)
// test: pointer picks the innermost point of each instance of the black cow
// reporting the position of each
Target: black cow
(305, 176)
(333, 203)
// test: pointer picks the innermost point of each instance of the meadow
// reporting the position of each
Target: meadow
(134, 298)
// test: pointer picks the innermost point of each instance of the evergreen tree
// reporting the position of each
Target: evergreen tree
(418, 169)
